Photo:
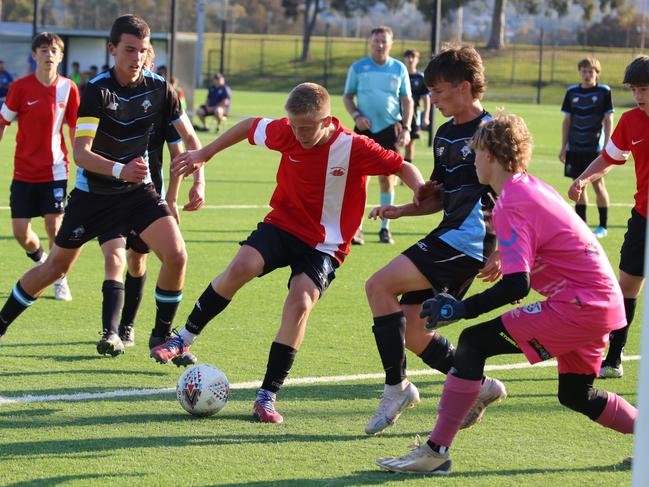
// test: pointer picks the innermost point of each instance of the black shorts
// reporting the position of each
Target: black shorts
(447, 269)
(89, 215)
(632, 252)
(29, 200)
(386, 138)
(133, 240)
(280, 249)
(577, 162)
(415, 131)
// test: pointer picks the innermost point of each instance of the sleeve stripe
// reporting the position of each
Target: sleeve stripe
(85, 133)
(259, 136)
(8, 115)
(616, 153)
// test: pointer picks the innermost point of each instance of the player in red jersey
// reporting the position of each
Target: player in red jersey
(316, 208)
(631, 136)
(41, 101)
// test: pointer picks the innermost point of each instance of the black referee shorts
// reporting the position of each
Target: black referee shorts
(386, 138)
(632, 252)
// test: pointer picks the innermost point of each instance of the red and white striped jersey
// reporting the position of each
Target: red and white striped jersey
(321, 191)
(41, 154)
(631, 136)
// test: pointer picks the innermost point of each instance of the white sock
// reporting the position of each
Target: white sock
(400, 387)
(63, 280)
(187, 337)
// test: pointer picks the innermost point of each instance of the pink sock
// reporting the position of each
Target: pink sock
(618, 414)
(458, 398)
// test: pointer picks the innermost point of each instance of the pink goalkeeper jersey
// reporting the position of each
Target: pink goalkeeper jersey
(320, 194)
(539, 233)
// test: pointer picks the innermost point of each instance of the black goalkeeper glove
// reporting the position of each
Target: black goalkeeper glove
(442, 310)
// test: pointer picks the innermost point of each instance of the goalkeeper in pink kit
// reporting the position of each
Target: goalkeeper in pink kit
(545, 246)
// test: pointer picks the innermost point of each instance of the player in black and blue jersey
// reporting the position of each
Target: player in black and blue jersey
(123, 248)
(113, 189)
(449, 257)
(421, 99)
(586, 128)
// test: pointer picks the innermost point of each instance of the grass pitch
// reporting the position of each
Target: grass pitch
(149, 440)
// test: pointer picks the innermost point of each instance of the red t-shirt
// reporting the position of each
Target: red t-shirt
(320, 194)
(631, 136)
(41, 155)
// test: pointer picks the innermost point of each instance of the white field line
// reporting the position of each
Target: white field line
(368, 205)
(86, 396)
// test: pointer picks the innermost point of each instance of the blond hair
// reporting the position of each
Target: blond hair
(307, 98)
(590, 62)
(508, 139)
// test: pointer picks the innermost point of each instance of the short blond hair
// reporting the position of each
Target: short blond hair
(590, 62)
(508, 139)
(307, 98)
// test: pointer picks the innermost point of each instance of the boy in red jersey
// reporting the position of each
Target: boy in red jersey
(631, 136)
(316, 208)
(543, 245)
(41, 101)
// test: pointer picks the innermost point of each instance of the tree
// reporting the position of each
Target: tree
(310, 10)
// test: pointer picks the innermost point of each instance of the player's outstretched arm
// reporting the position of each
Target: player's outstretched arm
(190, 161)
(597, 169)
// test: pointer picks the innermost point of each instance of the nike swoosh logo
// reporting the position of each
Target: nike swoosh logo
(293, 160)
(634, 142)
(30, 103)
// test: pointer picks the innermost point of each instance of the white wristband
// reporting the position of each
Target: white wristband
(117, 170)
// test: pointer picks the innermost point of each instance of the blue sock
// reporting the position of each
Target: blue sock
(386, 199)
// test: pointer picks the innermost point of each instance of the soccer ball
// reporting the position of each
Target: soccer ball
(203, 390)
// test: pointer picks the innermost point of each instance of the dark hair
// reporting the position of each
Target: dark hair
(411, 52)
(382, 29)
(75, 63)
(47, 39)
(637, 73)
(456, 64)
(128, 24)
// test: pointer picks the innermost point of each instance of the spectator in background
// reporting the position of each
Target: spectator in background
(587, 126)
(75, 75)
(180, 92)
(419, 94)
(104, 67)
(5, 81)
(162, 71)
(383, 111)
(217, 104)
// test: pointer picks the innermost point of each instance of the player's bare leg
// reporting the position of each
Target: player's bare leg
(386, 185)
(26, 237)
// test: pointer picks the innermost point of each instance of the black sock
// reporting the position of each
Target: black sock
(166, 303)
(617, 339)
(113, 293)
(207, 307)
(17, 302)
(603, 216)
(439, 354)
(581, 211)
(36, 254)
(390, 335)
(133, 290)
(437, 448)
(280, 361)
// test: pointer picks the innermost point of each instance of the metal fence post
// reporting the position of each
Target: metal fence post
(539, 82)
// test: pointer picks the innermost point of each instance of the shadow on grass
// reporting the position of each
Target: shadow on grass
(46, 344)
(64, 479)
(83, 372)
(378, 476)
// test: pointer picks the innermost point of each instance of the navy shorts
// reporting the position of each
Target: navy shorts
(632, 252)
(447, 269)
(89, 215)
(281, 249)
(29, 200)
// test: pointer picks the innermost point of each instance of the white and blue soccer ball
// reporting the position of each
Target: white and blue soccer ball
(203, 390)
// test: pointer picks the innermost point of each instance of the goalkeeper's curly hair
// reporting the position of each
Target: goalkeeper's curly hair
(508, 139)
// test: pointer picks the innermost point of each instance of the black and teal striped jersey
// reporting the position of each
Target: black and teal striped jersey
(587, 108)
(466, 224)
(123, 120)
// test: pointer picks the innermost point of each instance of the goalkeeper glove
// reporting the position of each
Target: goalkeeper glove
(442, 310)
